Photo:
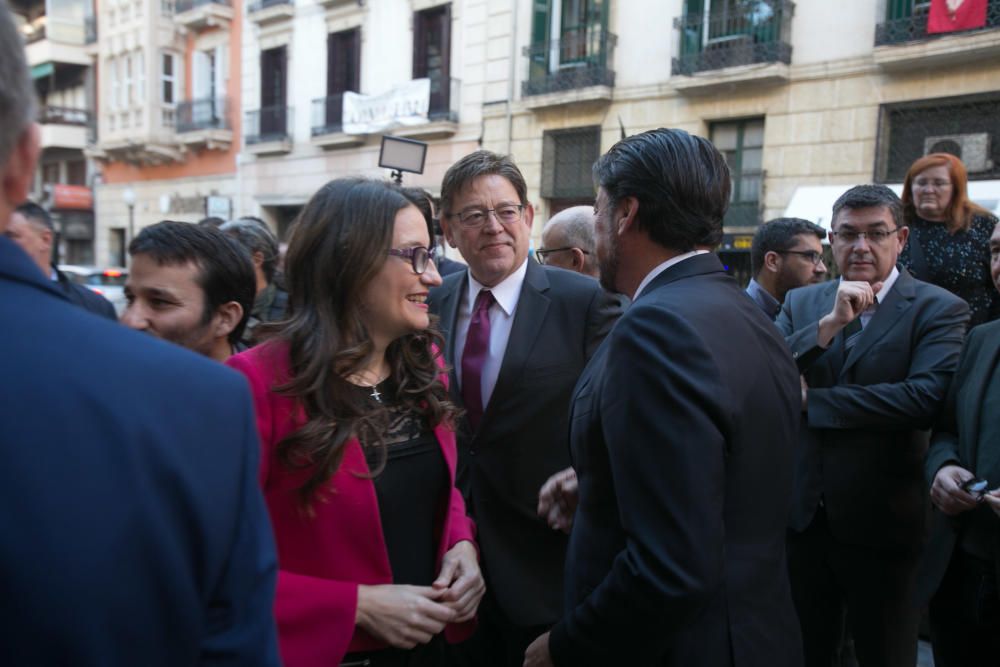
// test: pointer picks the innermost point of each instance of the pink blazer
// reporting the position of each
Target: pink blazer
(322, 559)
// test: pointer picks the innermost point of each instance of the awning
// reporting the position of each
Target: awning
(42, 70)
(815, 202)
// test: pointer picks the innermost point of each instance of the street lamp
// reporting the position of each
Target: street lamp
(128, 196)
(401, 155)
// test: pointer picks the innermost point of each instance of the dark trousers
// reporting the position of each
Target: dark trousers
(965, 614)
(497, 642)
(866, 590)
(426, 655)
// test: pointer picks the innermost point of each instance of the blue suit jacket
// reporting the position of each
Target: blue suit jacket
(133, 531)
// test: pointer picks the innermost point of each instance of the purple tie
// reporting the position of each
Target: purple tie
(477, 347)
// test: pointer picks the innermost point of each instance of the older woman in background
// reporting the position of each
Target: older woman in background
(375, 550)
(949, 235)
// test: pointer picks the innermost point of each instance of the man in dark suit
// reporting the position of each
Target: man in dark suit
(133, 532)
(682, 433)
(786, 253)
(518, 335)
(960, 566)
(876, 351)
(31, 227)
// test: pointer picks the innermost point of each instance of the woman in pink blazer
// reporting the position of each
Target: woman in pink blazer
(376, 554)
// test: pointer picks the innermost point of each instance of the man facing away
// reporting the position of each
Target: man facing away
(786, 253)
(31, 228)
(568, 241)
(134, 530)
(517, 336)
(270, 301)
(876, 350)
(682, 431)
(190, 285)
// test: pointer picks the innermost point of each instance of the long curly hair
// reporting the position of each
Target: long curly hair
(338, 245)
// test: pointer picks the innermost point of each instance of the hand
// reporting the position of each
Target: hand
(993, 500)
(853, 298)
(805, 393)
(402, 616)
(461, 581)
(557, 500)
(947, 493)
(537, 654)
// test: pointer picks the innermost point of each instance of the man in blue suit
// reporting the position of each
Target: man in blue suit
(133, 531)
(682, 431)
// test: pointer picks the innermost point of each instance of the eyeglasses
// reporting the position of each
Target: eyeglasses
(877, 236)
(419, 256)
(936, 185)
(811, 255)
(506, 214)
(543, 253)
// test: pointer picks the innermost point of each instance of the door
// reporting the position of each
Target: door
(343, 72)
(432, 56)
(273, 92)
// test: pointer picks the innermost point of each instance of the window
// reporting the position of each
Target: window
(168, 78)
(967, 126)
(568, 157)
(570, 46)
(113, 71)
(273, 91)
(50, 173)
(127, 81)
(432, 55)
(742, 144)
(76, 172)
(343, 72)
(139, 61)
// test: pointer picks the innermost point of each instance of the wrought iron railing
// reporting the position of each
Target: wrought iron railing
(257, 5)
(906, 21)
(55, 115)
(581, 58)
(186, 5)
(743, 214)
(744, 34)
(328, 115)
(204, 114)
(268, 124)
(444, 98)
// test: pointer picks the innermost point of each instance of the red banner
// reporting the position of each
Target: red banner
(72, 196)
(955, 15)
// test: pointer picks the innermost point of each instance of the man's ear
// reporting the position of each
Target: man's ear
(19, 171)
(445, 221)
(227, 316)
(625, 214)
(771, 260)
(579, 259)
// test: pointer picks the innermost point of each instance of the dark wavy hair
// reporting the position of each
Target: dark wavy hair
(337, 247)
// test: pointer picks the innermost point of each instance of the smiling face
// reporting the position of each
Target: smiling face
(932, 192)
(168, 302)
(395, 301)
(864, 259)
(493, 250)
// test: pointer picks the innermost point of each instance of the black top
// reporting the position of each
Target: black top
(958, 262)
(410, 488)
(978, 532)
(84, 297)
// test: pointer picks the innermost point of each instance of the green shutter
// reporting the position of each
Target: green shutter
(538, 65)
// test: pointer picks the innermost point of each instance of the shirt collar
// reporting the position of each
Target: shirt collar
(663, 267)
(762, 297)
(506, 292)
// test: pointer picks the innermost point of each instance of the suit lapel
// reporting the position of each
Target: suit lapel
(976, 385)
(448, 319)
(532, 305)
(899, 300)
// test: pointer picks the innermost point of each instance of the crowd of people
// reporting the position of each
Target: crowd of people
(600, 452)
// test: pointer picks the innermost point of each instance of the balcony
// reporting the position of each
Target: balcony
(56, 43)
(263, 12)
(442, 114)
(750, 47)
(268, 130)
(327, 124)
(198, 15)
(64, 127)
(902, 41)
(574, 69)
(205, 124)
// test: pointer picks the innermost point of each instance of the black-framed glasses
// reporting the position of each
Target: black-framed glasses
(876, 236)
(506, 214)
(543, 253)
(418, 255)
(811, 255)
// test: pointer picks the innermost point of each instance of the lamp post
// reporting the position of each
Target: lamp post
(128, 196)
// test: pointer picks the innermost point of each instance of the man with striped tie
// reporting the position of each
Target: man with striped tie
(876, 351)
